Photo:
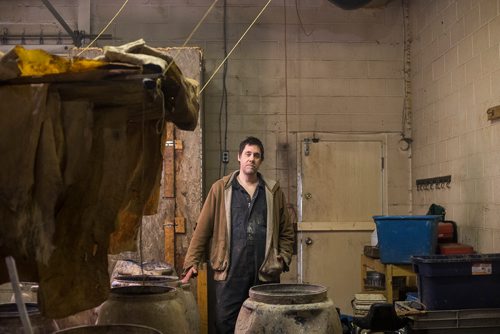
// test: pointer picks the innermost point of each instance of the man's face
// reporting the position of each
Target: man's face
(250, 159)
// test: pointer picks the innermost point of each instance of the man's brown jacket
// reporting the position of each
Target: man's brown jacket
(213, 231)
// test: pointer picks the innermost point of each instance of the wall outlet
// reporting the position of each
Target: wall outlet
(225, 157)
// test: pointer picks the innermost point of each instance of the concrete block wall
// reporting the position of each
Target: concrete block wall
(455, 79)
(326, 70)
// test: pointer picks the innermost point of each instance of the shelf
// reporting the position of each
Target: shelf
(389, 270)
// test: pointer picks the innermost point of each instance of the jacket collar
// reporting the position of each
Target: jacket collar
(270, 184)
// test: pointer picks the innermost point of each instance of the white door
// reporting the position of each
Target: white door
(340, 189)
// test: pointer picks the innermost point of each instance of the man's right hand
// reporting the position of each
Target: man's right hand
(191, 273)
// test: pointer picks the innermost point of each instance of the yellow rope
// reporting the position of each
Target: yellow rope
(234, 47)
(106, 27)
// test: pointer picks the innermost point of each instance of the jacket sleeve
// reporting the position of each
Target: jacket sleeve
(286, 237)
(197, 250)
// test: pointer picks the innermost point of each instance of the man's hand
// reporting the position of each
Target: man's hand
(284, 266)
(191, 273)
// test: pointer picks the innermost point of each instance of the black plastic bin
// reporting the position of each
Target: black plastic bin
(455, 282)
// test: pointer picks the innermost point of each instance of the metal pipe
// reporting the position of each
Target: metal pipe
(408, 126)
(84, 15)
(75, 37)
(5, 37)
(21, 307)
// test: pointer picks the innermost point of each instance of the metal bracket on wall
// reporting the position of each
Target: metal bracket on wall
(77, 36)
(493, 113)
(6, 38)
(307, 142)
(440, 182)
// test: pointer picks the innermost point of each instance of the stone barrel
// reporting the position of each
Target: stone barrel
(288, 308)
(159, 307)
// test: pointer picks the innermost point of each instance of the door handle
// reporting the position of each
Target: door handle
(309, 241)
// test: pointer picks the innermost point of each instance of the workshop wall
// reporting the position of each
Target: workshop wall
(344, 70)
(325, 70)
(455, 79)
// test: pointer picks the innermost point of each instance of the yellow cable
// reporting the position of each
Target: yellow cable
(103, 30)
(234, 47)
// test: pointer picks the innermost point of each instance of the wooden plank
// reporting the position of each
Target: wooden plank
(179, 144)
(169, 162)
(169, 192)
(98, 75)
(169, 229)
(390, 271)
(202, 298)
(180, 225)
(336, 226)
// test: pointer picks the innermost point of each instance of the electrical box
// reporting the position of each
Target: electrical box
(225, 157)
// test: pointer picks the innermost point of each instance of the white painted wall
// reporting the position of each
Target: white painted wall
(456, 78)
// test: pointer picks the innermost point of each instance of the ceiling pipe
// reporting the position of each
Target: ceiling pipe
(356, 4)
(84, 15)
(28, 39)
(350, 4)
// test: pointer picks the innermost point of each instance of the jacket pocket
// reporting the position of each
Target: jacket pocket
(272, 266)
(218, 259)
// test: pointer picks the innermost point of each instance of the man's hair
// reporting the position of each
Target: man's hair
(254, 142)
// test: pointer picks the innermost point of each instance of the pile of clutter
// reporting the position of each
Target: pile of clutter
(130, 272)
(363, 301)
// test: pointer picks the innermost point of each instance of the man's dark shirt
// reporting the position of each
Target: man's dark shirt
(248, 230)
(248, 244)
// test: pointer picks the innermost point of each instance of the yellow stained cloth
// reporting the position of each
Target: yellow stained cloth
(39, 62)
(71, 174)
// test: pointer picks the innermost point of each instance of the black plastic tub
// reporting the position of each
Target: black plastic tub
(455, 282)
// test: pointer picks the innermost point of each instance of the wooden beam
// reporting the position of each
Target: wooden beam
(202, 298)
(169, 230)
(180, 225)
(169, 192)
(336, 226)
(169, 162)
(179, 144)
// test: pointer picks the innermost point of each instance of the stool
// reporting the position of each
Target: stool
(381, 317)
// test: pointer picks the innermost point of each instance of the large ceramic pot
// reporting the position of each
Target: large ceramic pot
(159, 307)
(109, 329)
(288, 308)
(131, 280)
(192, 312)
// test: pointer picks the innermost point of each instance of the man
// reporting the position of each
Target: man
(245, 222)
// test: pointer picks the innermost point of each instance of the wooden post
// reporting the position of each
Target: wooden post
(169, 230)
(169, 161)
(202, 297)
(180, 225)
(169, 192)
